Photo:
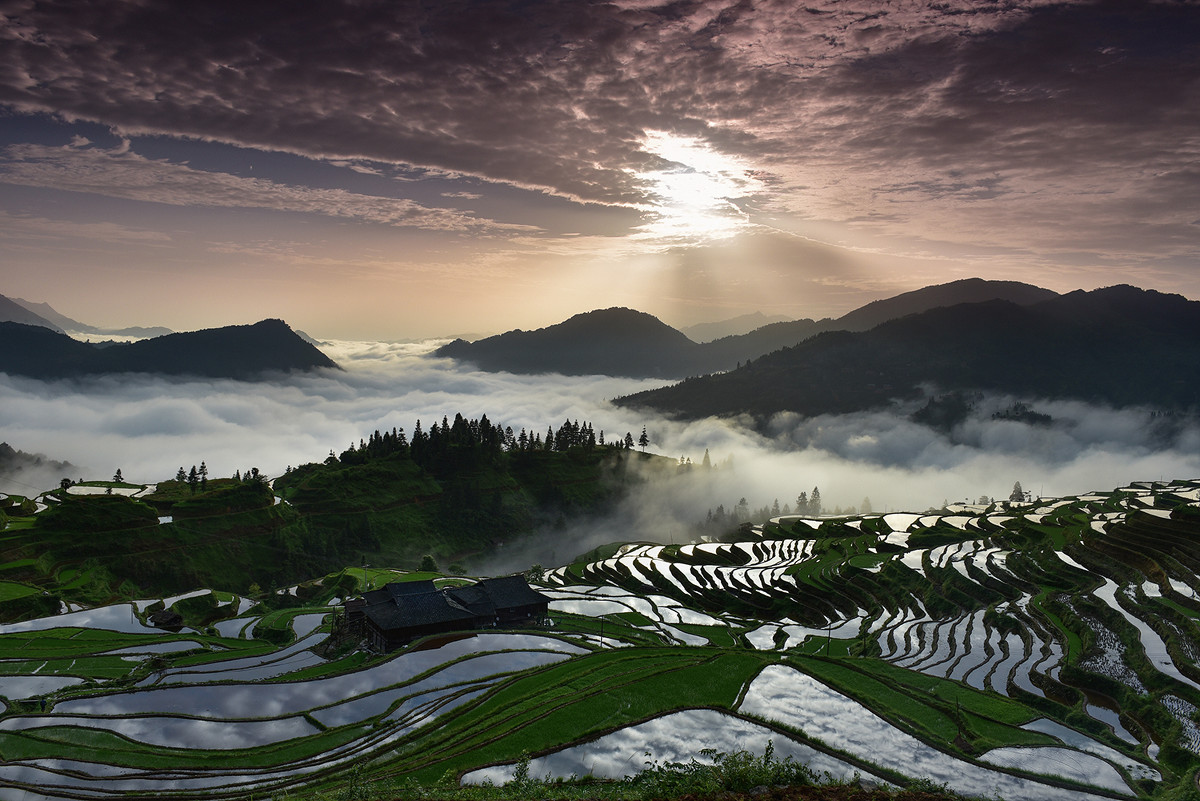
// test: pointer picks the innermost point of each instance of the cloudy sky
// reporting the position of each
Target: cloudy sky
(401, 169)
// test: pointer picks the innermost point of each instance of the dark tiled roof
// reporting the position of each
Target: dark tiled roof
(398, 588)
(474, 598)
(372, 597)
(512, 591)
(418, 604)
(417, 609)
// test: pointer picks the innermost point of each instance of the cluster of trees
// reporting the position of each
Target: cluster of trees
(196, 479)
(466, 442)
(721, 520)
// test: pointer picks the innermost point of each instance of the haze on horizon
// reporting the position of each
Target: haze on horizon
(390, 171)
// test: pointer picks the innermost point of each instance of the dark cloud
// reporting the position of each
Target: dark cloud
(1038, 129)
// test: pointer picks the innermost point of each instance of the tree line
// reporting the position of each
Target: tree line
(465, 443)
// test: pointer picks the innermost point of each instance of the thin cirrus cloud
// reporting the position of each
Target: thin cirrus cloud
(121, 174)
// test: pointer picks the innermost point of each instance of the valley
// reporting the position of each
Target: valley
(1041, 650)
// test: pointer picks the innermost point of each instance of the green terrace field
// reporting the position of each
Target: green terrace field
(1041, 651)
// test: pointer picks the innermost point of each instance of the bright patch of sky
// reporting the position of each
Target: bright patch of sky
(696, 192)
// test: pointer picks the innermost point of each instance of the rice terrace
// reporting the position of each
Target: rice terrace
(1040, 650)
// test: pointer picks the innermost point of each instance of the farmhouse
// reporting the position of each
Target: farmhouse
(400, 612)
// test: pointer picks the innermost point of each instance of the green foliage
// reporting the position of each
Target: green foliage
(89, 514)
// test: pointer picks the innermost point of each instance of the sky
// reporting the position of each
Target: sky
(401, 170)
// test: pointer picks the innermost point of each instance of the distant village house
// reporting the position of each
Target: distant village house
(400, 612)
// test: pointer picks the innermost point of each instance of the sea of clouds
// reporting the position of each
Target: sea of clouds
(150, 426)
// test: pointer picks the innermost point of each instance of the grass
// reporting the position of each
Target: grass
(88, 744)
(580, 698)
(10, 591)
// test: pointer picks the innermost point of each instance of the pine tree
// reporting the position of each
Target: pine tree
(180, 476)
(117, 478)
(706, 463)
(193, 479)
(814, 503)
(643, 440)
(203, 475)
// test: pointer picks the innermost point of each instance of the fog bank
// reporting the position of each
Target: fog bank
(150, 426)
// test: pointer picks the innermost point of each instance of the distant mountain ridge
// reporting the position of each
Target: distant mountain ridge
(245, 352)
(61, 322)
(624, 342)
(1119, 345)
(616, 341)
(735, 326)
(11, 311)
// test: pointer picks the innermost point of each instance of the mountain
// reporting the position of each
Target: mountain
(735, 326)
(1120, 346)
(967, 290)
(239, 351)
(13, 312)
(726, 353)
(614, 341)
(13, 461)
(623, 342)
(61, 322)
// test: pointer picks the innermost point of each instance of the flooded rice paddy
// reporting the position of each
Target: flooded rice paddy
(1026, 609)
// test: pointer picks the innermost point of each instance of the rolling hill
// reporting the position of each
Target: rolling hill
(241, 351)
(615, 341)
(1120, 346)
(623, 342)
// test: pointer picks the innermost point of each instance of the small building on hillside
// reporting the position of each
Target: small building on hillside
(400, 612)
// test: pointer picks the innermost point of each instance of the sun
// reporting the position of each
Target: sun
(694, 195)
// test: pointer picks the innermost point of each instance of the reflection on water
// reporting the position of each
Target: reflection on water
(678, 737)
(16, 687)
(243, 700)
(799, 701)
(118, 617)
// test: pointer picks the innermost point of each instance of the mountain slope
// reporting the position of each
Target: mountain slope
(65, 323)
(239, 351)
(1119, 345)
(13, 312)
(736, 326)
(967, 290)
(623, 342)
(614, 341)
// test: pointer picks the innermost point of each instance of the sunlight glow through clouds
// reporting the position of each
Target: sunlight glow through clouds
(694, 196)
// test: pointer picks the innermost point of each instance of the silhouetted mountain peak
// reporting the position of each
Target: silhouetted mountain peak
(238, 351)
(13, 312)
(614, 341)
(966, 290)
(1118, 345)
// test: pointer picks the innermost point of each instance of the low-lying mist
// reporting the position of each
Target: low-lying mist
(149, 427)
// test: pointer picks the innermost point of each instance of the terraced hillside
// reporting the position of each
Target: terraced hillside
(1042, 651)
